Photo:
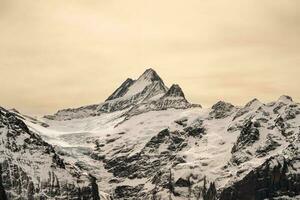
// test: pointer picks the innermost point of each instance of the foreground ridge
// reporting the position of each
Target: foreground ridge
(30, 168)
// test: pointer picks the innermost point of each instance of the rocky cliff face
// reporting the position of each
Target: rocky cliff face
(173, 99)
(31, 169)
(122, 90)
(278, 177)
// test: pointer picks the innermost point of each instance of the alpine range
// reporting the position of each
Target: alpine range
(146, 141)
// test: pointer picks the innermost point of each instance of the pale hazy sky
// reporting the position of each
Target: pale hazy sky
(66, 53)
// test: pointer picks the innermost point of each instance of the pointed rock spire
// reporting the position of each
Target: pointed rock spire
(146, 93)
(175, 91)
(150, 75)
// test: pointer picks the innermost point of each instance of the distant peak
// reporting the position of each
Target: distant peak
(150, 70)
(254, 103)
(175, 91)
(222, 104)
(285, 99)
(150, 75)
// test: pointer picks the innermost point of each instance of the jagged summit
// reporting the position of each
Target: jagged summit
(130, 87)
(175, 91)
(150, 75)
(221, 104)
(145, 81)
(148, 91)
(254, 103)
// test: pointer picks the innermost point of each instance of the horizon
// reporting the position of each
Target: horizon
(169, 86)
(67, 54)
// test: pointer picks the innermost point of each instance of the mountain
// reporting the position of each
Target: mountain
(148, 91)
(147, 142)
(30, 168)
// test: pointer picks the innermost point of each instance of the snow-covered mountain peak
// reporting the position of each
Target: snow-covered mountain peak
(254, 103)
(222, 110)
(150, 75)
(146, 93)
(285, 99)
(148, 78)
(221, 104)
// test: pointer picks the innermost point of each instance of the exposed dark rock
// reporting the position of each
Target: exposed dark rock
(195, 131)
(249, 135)
(270, 145)
(128, 192)
(276, 177)
(94, 186)
(17, 182)
(252, 105)
(221, 110)
(285, 99)
(121, 91)
(2, 190)
(175, 91)
(182, 122)
(183, 183)
(97, 156)
(58, 161)
(211, 193)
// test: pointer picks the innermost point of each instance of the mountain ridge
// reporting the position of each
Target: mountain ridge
(148, 89)
(150, 143)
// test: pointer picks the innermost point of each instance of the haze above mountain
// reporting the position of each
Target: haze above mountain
(63, 53)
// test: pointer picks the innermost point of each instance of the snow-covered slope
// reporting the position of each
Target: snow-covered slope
(189, 153)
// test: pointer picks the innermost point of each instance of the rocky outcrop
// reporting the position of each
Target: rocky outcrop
(251, 106)
(249, 135)
(162, 150)
(2, 190)
(222, 110)
(174, 98)
(278, 176)
(175, 91)
(137, 165)
(128, 192)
